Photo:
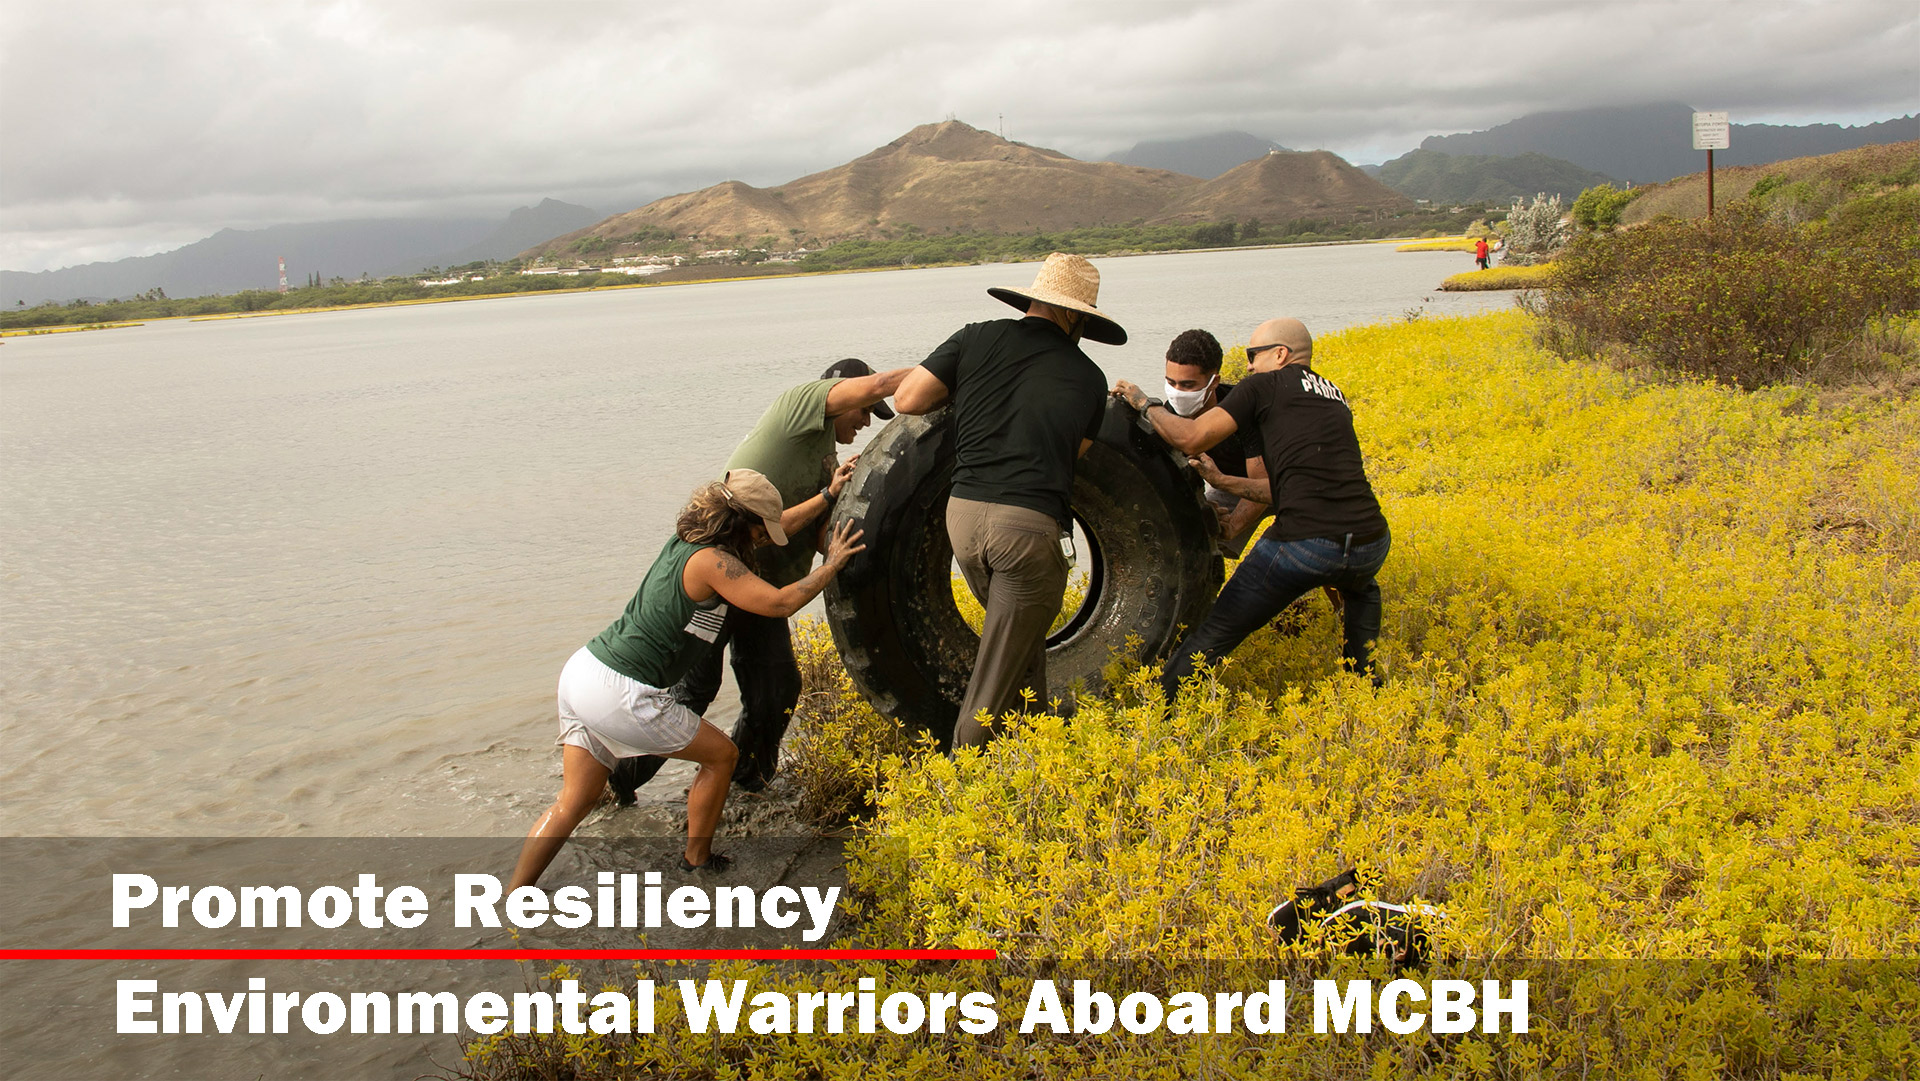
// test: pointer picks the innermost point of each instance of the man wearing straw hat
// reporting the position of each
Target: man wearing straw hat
(1026, 404)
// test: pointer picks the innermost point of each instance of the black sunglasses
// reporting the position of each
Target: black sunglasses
(1256, 350)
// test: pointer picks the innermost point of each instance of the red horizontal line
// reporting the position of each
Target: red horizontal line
(498, 955)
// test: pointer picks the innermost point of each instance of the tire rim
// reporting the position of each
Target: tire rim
(1096, 581)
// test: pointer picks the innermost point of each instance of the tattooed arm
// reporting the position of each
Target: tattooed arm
(713, 571)
(1253, 486)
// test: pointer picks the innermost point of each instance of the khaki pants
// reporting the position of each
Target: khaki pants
(1011, 559)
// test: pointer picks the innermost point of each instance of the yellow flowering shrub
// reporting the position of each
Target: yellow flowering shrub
(1498, 277)
(838, 747)
(1444, 243)
(975, 614)
(1653, 655)
(1648, 736)
(1233, 364)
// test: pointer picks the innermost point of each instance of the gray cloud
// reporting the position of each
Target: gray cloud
(146, 126)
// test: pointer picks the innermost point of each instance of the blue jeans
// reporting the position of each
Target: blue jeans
(1275, 574)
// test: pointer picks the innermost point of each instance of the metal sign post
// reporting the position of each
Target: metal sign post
(1710, 132)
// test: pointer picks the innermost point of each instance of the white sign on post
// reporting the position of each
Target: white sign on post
(1710, 131)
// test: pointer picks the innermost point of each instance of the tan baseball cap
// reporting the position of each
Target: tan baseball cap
(754, 493)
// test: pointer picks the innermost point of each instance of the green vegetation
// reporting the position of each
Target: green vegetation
(1752, 296)
(337, 294)
(839, 747)
(1600, 206)
(1801, 189)
(1109, 240)
(1649, 736)
(648, 238)
(1815, 198)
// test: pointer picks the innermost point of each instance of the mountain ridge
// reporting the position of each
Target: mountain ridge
(1644, 144)
(947, 176)
(232, 260)
(1484, 179)
(1206, 156)
(955, 178)
(952, 177)
(1283, 186)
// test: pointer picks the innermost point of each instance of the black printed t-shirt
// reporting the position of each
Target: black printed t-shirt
(1023, 397)
(1302, 424)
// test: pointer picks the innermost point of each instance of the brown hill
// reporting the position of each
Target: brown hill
(729, 208)
(1285, 185)
(951, 177)
(937, 177)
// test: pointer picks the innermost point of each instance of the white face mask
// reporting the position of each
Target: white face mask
(1188, 402)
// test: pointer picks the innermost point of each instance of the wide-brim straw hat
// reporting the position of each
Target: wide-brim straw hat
(1068, 281)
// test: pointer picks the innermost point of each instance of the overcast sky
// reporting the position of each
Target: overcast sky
(135, 128)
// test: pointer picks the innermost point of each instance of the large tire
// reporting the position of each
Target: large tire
(1151, 560)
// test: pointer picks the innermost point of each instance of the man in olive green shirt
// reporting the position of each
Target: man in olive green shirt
(793, 446)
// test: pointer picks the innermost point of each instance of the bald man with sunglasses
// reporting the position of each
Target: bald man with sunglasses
(1328, 529)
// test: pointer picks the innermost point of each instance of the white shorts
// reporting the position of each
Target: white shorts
(612, 716)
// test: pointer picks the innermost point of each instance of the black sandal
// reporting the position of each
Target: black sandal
(716, 864)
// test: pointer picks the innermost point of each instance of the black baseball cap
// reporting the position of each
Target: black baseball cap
(853, 368)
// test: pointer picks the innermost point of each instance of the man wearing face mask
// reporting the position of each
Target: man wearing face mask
(1026, 404)
(792, 445)
(1193, 386)
(1328, 529)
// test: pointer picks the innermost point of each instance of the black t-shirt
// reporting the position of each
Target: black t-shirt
(1231, 453)
(1023, 397)
(1302, 424)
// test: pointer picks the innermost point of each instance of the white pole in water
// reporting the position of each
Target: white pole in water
(283, 274)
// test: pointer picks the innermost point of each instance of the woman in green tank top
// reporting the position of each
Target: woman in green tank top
(614, 698)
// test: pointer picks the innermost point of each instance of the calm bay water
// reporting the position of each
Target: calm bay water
(318, 574)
